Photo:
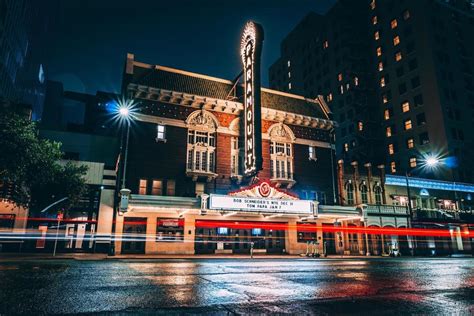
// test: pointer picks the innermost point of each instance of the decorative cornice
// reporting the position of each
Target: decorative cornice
(225, 106)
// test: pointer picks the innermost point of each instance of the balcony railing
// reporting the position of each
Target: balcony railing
(282, 179)
(387, 209)
(200, 170)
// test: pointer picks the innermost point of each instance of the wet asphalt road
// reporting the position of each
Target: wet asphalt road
(228, 286)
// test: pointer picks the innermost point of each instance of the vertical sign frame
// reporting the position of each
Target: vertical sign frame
(250, 52)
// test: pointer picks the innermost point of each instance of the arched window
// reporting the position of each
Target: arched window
(364, 193)
(281, 151)
(378, 194)
(201, 147)
(350, 193)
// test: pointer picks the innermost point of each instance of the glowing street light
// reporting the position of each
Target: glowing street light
(123, 111)
(432, 161)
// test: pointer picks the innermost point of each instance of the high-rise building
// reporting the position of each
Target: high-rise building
(396, 74)
(23, 32)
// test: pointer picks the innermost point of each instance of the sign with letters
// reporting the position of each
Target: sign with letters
(260, 205)
(250, 52)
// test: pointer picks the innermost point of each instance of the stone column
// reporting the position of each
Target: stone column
(355, 164)
(382, 182)
(369, 181)
(340, 181)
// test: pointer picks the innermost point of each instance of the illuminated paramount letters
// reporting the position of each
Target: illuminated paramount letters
(250, 51)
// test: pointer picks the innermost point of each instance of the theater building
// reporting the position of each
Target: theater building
(219, 166)
(185, 166)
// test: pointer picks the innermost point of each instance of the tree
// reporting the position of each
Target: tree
(33, 165)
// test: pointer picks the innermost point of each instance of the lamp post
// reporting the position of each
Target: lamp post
(125, 115)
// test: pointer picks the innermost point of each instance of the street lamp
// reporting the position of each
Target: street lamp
(125, 109)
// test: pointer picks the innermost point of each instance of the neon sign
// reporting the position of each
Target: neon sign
(250, 52)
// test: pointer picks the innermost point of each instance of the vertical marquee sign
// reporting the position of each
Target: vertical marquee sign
(250, 52)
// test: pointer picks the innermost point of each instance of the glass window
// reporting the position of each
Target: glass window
(407, 124)
(393, 23)
(379, 51)
(396, 40)
(387, 114)
(424, 139)
(391, 149)
(402, 88)
(374, 20)
(413, 162)
(171, 187)
(377, 35)
(360, 126)
(201, 148)
(312, 152)
(421, 119)
(393, 167)
(363, 194)
(382, 82)
(157, 187)
(398, 56)
(380, 67)
(169, 229)
(378, 194)
(405, 106)
(142, 187)
(346, 147)
(388, 131)
(160, 132)
(410, 143)
(325, 44)
(350, 193)
(406, 15)
(372, 4)
(418, 100)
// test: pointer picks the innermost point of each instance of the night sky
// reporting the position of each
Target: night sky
(89, 39)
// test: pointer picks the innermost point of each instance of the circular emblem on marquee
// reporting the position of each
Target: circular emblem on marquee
(264, 189)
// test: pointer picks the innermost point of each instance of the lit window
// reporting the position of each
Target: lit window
(281, 155)
(171, 187)
(157, 187)
(407, 124)
(339, 77)
(329, 97)
(142, 187)
(406, 15)
(405, 106)
(372, 4)
(289, 74)
(289, 86)
(346, 147)
(160, 133)
(385, 99)
(380, 66)
(410, 143)
(413, 162)
(391, 150)
(396, 40)
(201, 147)
(341, 89)
(382, 82)
(356, 81)
(386, 114)
(360, 126)
(289, 63)
(235, 156)
(388, 131)
(374, 20)
(398, 56)
(393, 167)
(325, 44)
(376, 35)
(379, 51)
(393, 23)
(312, 153)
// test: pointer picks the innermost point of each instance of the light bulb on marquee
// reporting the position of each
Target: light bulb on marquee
(250, 52)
